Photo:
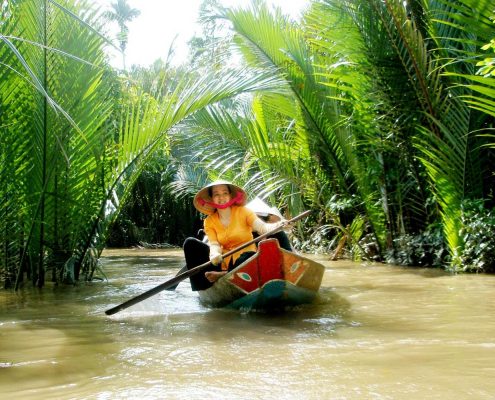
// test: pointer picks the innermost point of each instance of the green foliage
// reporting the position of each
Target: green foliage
(487, 65)
(369, 112)
(54, 65)
(374, 114)
(478, 233)
(75, 141)
(301, 144)
(414, 49)
(153, 215)
(425, 249)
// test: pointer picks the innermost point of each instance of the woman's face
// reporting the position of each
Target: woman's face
(220, 194)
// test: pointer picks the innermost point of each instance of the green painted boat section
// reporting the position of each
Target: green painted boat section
(274, 294)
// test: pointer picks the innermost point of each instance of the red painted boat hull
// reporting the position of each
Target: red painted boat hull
(272, 278)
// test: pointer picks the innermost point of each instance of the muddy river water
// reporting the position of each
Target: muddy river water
(375, 332)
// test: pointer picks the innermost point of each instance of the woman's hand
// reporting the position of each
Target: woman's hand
(287, 226)
(215, 253)
(216, 259)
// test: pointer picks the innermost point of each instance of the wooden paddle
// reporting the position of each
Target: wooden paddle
(193, 271)
(173, 287)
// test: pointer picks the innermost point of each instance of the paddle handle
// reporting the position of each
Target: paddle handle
(193, 271)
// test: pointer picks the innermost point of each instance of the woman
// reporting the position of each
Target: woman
(229, 225)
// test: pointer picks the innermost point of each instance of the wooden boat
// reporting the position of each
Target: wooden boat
(273, 278)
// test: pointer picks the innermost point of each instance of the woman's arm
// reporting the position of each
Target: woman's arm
(263, 227)
(215, 248)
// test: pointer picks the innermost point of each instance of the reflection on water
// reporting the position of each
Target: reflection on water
(374, 332)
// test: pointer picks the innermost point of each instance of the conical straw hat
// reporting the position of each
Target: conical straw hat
(263, 209)
(204, 195)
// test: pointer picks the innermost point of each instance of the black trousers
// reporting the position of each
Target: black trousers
(196, 253)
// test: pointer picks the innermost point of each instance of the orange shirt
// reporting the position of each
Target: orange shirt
(239, 231)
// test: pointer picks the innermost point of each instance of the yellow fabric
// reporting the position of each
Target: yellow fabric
(239, 231)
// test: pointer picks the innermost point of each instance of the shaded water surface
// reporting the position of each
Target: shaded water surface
(375, 332)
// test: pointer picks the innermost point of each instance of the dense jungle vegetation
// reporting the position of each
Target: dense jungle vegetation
(375, 114)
